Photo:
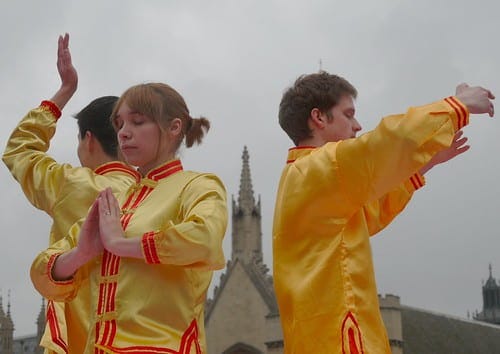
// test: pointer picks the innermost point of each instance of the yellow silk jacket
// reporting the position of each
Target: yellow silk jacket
(330, 200)
(153, 305)
(65, 193)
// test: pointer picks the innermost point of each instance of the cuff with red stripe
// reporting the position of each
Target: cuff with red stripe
(461, 112)
(52, 108)
(149, 248)
(50, 265)
(415, 182)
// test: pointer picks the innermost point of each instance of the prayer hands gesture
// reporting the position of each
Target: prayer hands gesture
(89, 243)
(110, 227)
(102, 229)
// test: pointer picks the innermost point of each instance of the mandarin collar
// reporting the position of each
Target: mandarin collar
(117, 166)
(164, 170)
(298, 151)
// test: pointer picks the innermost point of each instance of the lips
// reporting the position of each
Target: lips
(127, 148)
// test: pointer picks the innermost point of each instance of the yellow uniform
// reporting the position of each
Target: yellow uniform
(153, 305)
(330, 200)
(65, 193)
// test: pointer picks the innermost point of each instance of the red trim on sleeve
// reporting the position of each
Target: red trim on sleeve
(417, 181)
(460, 110)
(52, 107)
(50, 265)
(148, 244)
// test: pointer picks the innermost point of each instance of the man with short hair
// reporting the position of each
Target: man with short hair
(335, 192)
(65, 192)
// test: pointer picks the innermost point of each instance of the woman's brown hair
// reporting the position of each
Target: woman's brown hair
(162, 103)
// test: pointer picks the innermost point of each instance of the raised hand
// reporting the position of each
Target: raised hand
(67, 72)
(477, 99)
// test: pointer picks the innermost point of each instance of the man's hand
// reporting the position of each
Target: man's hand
(477, 99)
(67, 73)
(458, 147)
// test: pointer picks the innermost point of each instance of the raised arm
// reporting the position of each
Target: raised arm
(40, 176)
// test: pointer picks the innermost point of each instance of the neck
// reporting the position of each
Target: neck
(101, 160)
(314, 141)
(145, 169)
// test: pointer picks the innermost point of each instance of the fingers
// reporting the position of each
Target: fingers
(94, 210)
(114, 205)
(460, 142)
(103, 204)
(461, 87)
(462, 149)
(108, 205)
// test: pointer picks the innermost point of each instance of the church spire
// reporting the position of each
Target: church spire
(246, 200)
(247, 235)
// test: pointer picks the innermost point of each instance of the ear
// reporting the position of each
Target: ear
(317, 119)
(90, 141)
(175, 127)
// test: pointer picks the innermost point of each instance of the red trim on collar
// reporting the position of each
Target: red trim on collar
(302, 147)
(118, 166)
(165, 170)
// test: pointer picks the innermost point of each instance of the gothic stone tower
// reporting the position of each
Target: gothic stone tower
(242, 317)
(246, 221)
(6, 330)
(491, 302)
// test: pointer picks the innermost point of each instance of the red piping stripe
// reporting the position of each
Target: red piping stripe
(55, 331)
(461, 114)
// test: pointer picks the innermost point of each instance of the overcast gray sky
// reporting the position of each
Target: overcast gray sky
(231, 60)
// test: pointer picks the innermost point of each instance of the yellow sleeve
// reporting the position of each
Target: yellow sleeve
(398, 147)
(380, 212)
(39, 175)
(41, 270)
(197, 240)
(348, 174)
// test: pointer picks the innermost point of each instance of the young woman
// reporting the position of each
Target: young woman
(148, 255)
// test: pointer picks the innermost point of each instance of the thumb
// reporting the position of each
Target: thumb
(461, 87)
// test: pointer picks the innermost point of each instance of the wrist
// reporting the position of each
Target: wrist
(125, 247)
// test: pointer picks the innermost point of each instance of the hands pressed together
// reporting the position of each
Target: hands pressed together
(102, 228)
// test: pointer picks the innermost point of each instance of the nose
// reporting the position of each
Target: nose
(123, 133)
(357, 127)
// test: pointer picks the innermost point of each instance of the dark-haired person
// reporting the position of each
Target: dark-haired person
(63, 191)
(338, 189)
(161, 239)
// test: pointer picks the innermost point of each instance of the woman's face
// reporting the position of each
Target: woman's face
(141, 140)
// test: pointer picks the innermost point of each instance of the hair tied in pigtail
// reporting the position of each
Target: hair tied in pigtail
(189, 124)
